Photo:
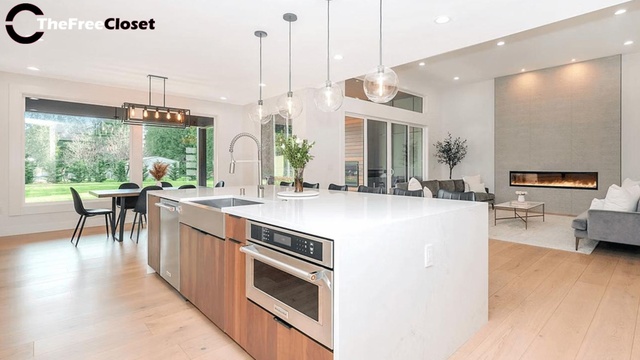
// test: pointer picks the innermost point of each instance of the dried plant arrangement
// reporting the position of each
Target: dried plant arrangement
(159, 170)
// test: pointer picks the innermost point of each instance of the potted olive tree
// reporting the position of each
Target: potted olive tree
(451, 152)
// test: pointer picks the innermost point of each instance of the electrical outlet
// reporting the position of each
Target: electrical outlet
(428, 255)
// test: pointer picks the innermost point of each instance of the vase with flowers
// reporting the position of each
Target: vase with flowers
(521, 195)
(158, 171)
(296, 151)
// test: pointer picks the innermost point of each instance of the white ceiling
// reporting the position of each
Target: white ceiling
(208, 50)
(590, 36)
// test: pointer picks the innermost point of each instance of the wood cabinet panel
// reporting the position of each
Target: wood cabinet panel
(235, 321)
(210, 291)
(235, 228)
(268, 338)
(153, 233)
(188, 262)
(303, 348)
(261, 333)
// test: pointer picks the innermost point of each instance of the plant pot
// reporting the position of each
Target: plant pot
(298, 174)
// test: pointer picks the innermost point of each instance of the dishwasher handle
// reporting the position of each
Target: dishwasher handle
(310, 276)
(169, 208)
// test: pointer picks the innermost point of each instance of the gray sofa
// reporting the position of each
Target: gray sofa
(456, 185)
(605, 225)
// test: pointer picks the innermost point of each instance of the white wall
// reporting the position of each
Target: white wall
(17, 217)
(467, 112)
(630, 116)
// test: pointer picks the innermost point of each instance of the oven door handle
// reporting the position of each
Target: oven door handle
(310, 276)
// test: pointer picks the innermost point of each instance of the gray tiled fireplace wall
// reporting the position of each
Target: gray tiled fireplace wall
(565, 118)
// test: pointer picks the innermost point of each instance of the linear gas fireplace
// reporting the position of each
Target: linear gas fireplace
(555, 179)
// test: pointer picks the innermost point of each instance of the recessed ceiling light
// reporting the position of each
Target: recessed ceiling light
(500, 43)
(337, 57)
(523, 70)
(223, 98)
(33, 68)
(32, 98)
(421, 64)
(456, 78)
(628, 42)
(262, 84)
(620, 12)
(573, 60)
(442, 19)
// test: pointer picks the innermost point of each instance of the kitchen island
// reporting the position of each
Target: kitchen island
(410, 275)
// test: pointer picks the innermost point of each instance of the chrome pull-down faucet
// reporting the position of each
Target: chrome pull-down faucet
(232, 165)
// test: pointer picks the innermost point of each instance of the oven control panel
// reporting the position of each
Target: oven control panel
(286, 240)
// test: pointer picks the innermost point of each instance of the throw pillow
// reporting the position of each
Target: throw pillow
(597, 204)
(477, 187)
(629, 183)
(622, 199)
(414, 184)
(468, 180)
(427, 192)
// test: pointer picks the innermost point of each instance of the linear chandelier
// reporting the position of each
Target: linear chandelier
(141, 114)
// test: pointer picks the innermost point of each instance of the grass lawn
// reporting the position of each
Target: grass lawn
(35, 193)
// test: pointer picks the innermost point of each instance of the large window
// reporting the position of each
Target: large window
(87, 147)
(381, 153)
(63, 151)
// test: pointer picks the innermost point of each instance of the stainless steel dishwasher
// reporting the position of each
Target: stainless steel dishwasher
(170, 242)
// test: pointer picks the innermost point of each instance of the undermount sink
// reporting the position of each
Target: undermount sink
(225, 202)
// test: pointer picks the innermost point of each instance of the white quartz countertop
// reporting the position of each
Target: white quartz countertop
(331, 214)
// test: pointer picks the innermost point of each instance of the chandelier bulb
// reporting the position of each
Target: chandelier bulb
(168, 114)
(157, 116)
(180, 116)
(145, 113)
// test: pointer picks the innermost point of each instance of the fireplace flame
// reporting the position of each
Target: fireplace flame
(583, 184)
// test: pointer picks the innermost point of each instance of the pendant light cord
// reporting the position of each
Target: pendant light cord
(328, 31)
(260, 84)
(289, 56)
(380, 32)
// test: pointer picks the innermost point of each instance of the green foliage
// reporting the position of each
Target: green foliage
(451, 152)
(29, 168)
(174, 172)
(78, 171)
(120, 171)
(145, 172)
(99, 171)
(295, 150)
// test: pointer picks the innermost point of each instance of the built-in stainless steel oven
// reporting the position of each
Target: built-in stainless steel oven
(290, 275)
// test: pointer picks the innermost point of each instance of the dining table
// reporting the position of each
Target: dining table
(115, 194)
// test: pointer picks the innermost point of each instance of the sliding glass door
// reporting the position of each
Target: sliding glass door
(392, 153)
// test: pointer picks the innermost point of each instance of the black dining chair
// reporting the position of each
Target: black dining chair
(402, 192)
(129, 202)
(140, 209)
(284, 183)
(372, 190)
(310, 185)
(85, 213)
(338, 187)
(187, 186)
(219, 184)
(166, 184)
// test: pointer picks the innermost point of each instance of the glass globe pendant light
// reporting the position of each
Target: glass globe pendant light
(381, 84)
(259, 112)
(329, 97)
(289, 105)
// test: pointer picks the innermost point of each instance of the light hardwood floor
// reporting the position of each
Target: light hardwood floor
(100, 301)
